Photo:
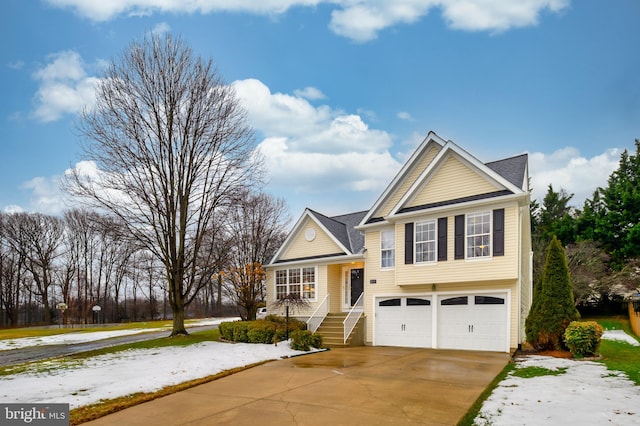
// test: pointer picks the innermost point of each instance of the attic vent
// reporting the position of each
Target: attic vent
(310, 234)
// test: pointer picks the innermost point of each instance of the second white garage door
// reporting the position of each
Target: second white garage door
(475, 321)
(403, 321)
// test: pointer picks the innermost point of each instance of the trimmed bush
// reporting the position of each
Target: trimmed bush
(261, 332)
(270, 330)
(583, 338)
(304, 340)
(240, 330)
(226, 330)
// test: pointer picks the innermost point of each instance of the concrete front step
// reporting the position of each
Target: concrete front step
(332, 331)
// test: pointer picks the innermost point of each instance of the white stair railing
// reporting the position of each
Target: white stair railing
(316, 318)
(352, 318)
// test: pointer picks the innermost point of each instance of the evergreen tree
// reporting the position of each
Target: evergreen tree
(618, 224)
(553, 306)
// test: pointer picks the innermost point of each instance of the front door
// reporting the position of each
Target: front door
(352, 286)
(357, 284)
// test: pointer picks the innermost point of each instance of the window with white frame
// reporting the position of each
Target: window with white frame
(387, 248)
(479, 235)
(309, 283)
(294, 283)
(300, 282)
(425, 240)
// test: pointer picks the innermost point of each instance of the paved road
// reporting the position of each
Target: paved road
(39, 353)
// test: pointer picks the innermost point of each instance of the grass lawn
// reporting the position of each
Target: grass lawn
(620, 356)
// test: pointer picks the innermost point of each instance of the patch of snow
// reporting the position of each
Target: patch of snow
(621, 336)
(83, 337)
(586, 393)
(108, 376)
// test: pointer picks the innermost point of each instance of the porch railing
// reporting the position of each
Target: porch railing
(353, 316)
(316, 318)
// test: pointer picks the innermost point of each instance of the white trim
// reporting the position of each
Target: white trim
(408, 165)
(319, 260)
(297, 229)
(472, 162)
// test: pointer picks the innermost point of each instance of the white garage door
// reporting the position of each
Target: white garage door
(403, 321)
(475, 321)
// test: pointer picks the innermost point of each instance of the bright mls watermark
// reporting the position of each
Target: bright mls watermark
(34, 414)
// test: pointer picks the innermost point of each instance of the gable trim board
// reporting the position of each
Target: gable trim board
(430, 200)
(451, 149)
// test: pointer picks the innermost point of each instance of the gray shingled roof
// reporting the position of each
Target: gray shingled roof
(512, 169)
(343, 229)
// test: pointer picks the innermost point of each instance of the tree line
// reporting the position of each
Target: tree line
(86, 259)
(601, 239)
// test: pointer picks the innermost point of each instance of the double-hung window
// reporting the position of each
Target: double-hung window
(479, 235)
(296, 282)
(425, 240)
(309, 283)
(387, 248)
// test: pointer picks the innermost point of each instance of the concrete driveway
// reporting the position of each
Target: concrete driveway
(352, 386)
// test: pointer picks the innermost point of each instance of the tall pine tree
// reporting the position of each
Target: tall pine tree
(618, 224)
(553, 306)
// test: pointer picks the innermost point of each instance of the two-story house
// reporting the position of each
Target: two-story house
(441, 260)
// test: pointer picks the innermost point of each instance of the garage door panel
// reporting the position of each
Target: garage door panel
(404, 323)
(477, 322)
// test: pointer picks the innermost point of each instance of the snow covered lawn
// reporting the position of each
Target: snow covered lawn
(82, 382)
(586, 393)
(86, 381)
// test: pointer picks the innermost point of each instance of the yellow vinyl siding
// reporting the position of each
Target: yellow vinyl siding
(463, 270)
(321, 245)
(408, 181)
(452, 180)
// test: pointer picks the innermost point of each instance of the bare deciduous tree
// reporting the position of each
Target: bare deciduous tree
(38, 238)
(256, 225)
(171, 145)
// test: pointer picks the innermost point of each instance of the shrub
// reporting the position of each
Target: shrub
(270, 330)
(240, 329)
(226, 330)
(583, 338)
(303, 340)
(261, 332)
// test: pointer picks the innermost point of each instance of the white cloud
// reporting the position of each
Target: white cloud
(46, 196)
(403, 115)
(318, 150)
(64, 87)
(567, 169)
(12, 208)
(310, 93)
(16, 65)
(161, 28)
(306, 127)
(359, 20)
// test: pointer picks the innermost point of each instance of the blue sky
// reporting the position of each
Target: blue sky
(340, 92)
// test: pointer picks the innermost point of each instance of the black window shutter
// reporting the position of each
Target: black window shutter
(498, 232)
(459, 237)
(442, 238)
(408, 243)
